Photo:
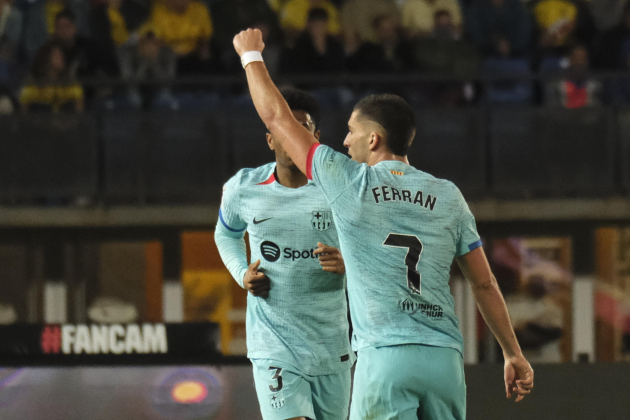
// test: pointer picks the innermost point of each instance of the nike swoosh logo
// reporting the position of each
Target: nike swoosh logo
(260, 221)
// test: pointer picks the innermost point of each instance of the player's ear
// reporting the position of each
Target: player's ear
(317, 134)
(270, 140)
(375, 141)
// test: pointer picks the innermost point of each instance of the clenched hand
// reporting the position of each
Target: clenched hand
(255, 282)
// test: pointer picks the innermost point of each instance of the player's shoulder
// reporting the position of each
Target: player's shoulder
(247, 177)
(441, 185)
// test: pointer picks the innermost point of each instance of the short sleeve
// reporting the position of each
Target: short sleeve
(229, 213)
(334, 172)
(469, 239)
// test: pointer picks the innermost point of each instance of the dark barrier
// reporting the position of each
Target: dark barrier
(164, 156)
(562, 392)
(542, 151)
(451, 144)
(186, 157)
(246, 138)
(48, 156)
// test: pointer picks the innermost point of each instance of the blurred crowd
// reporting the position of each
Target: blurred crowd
(53, 53)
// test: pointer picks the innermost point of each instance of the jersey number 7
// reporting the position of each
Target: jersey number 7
(414, 246)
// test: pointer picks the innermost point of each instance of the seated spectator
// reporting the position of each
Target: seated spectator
(562, 23)
(82, 57)
(607, 13)
(40, 21)
(418, 16)
(185, 26)
(357, 18)
(148, 60)
(499, 27)
(10, 30)
(316, 50)
(51, 86)
(294, 17)
(576, 89)
(444, 27)
(609, 45)
(387, 54)
(109, 30)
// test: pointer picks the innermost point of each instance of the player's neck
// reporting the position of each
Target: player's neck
(386, 156)
(290, 177)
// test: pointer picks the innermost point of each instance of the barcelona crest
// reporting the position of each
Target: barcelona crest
(322, 220)
(277, 400)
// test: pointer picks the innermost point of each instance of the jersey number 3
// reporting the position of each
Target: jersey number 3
(414, 246)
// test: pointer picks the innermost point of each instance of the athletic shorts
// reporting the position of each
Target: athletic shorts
(408, 382)
(285, 392)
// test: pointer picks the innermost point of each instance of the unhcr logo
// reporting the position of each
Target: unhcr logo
(410, 307)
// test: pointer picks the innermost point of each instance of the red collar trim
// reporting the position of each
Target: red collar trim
(271, 180)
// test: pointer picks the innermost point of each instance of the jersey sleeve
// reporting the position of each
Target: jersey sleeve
(229, 213)
(334, 172)
(469, 239)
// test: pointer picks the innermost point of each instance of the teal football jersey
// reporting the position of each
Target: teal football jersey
(304, 320)
(399, 230)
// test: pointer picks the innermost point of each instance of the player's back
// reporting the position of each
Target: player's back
(399, 230)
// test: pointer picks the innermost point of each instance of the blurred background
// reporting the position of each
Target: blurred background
(120, 120)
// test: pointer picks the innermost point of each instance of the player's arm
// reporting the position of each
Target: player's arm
(519, 376)
(271, 106)
(233, 251)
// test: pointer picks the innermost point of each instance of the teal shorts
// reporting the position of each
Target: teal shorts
(285, 392)
(408, 382)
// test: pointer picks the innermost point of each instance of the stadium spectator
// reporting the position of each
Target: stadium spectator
(82, 57)
(418, 16)
(10, 30)
(148, 60)
(294, 17)
(609, 45)
(186, 27)
(108, 30)
(107, 24)
(444, 27)
(387, 54)
(40, 18)
(562, 23)
(607, 13)
(316, 50)
(357, 18)
(577, 89)
(51, 86)
(499, 27)
(232, 16)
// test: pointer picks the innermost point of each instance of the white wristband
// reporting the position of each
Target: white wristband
(251, 56)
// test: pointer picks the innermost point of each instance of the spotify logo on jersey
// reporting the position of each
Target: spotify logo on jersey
(270, 251)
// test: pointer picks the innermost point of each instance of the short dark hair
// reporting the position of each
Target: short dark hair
(395, 115)
(317, 14)
(299, 100)
(67, 14)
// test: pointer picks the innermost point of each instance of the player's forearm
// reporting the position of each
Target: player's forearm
(492, 307)
(268, 100)
(233, 251)
(276, 114)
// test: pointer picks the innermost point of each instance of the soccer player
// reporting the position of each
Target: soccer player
(297, 325)
(399, 230)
